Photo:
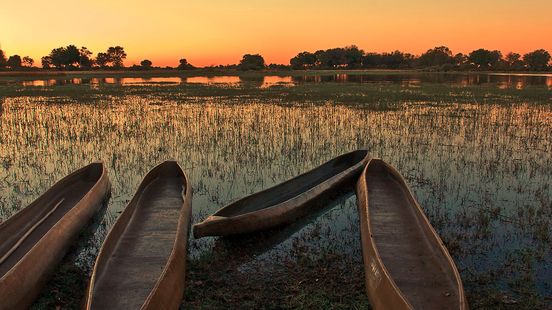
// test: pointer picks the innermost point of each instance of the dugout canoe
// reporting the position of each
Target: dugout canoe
(285, 202)
(35, 240)
(142, 262)
(406, 264)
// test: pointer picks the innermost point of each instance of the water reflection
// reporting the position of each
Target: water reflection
(269, 81)
(212, 80)
(502, 81)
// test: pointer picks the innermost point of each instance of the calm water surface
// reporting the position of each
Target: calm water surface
(518, 81)
(482, 173)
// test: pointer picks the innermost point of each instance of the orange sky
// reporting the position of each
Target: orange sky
(220, 31)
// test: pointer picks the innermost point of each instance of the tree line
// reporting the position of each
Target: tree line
(71, 57)
(439, 58)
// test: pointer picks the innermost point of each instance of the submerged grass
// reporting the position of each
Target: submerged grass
(365, 94)
(477, 157)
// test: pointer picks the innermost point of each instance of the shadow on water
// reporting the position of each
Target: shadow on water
(67, 287)
(239, 249)
(284, 267)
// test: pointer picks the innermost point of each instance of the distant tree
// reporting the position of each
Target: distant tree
(372, 60)
(396, 60)
(437, 56)
(353, 56)
(3, 60)
(85, 58)
(303, 60)
(537, 60)
(485, 59)
(460, 59)
(146, 64)
(65, 57)
(102, 60)
(252, 62)
(46, 62)
(27, 61)
(71, 56)
(393, 60)
(184, 65)
(116, 56)
(14, 62)
(57, 57)
(278, 67)
(513, 61)
(331, 58)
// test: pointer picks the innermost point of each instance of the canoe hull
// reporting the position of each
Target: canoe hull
(279, 214)
(169, 288)
(381, 288)
(20, 286)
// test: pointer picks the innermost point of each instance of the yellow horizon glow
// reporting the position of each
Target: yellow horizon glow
(220, 32)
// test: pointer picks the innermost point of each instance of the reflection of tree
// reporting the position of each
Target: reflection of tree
(252, 81)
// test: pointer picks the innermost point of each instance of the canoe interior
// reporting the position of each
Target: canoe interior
(293, 187)
(405, 244)
(144, 247)
(65, 194)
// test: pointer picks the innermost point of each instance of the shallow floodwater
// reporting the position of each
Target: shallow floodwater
(482, 172)
(499, 80)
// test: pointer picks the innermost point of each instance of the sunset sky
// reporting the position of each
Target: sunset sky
(220, 32)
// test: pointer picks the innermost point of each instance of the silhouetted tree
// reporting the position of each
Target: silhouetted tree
(252, 62)
(85, 58)
(27, 61)
(396, 60)
(278, 67)
(146, 64)
(437, 56)
(71, 56)
(46, 62)
(65, 57)
(537, 60)
(14, 62)
(393, 60)
(116, 56)
(485, 59)
(3, 60)
(303, 60)
(460, 59)
(57, 58)
(102, 60)
(331, 58)
(513, 61)
(184, 65)
(353, 56)
(372, 60)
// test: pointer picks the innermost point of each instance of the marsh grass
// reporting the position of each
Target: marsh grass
(477, 157)
(375, 94)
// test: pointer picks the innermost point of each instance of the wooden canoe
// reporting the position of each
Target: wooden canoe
(34, 241)
(283, 203)
(406, 264)
(141, 264)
